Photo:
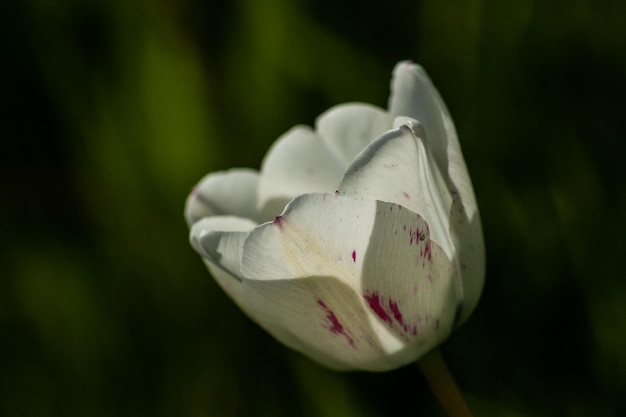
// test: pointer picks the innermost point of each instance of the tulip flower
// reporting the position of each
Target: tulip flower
(358, 243)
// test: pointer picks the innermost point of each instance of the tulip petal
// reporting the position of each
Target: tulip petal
(355, 283)
(230, 192)
(398, 168)
(321, 317)
(219, 240)
(299, 162)
(349, 128)
(414, 95)
(467, 238)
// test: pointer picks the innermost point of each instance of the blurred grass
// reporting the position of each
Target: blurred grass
(113, 110)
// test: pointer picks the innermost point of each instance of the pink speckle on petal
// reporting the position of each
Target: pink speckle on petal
(427, 251)
(278, 221)
(353, 256)
(202, 199)
(406, 195)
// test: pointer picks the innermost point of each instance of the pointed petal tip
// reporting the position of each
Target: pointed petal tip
(411, 92)
(408, 67)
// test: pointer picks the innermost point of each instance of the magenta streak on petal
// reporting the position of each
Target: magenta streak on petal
(395, 310)
(374, 302)
(354, 256)
(393, 306)
(335, 326)
(406, 195)
(427, 252)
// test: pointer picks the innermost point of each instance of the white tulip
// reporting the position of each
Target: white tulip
(378, 253)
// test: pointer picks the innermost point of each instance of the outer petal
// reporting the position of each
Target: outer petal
(219, 240)
(349, 128)
(232, 192)
(414, 95)
(467, 237)
(353, 283)
(299, 162)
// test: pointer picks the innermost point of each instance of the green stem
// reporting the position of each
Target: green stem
(442, 384)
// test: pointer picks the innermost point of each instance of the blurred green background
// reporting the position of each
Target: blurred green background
(112, 110)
